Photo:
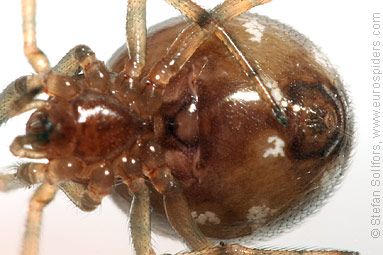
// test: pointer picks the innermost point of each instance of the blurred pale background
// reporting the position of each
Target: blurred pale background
(342, 28)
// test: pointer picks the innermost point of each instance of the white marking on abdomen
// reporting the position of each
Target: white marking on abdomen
(258, 213)
(253, 27)
(208, 216)
(279, 144)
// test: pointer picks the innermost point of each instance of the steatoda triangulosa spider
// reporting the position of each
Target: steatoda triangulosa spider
(176, 108)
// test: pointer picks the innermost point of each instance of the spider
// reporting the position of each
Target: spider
(278, 114)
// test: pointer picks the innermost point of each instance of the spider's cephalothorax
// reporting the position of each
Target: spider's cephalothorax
(223, 142)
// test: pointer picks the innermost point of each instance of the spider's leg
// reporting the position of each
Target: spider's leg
(129, 168)
(225, 11)
(26, 175)
(31, 173)
(234, 249)
(189, 9)
(136, 37)
(98, 176)
(230, 9)
(176, 206)
(177, 55)
(192, 37)
(183, 48)
(177, 209)
(35, 56)
(19, 96)
(9, 182)
(139, 220)
(41, 198)
(220, 14)
(18, 147)
(254, 74)
(23, 177)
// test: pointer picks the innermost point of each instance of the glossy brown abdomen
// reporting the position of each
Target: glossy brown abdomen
(241, 170)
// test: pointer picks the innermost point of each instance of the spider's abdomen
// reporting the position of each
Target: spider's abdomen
(241, 170)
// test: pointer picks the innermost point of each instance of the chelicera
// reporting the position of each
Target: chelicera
(220, 131)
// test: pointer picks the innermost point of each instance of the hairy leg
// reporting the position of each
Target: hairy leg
(139, 221)
(205, 24)
(35, 56)
(234, 249)
(177, 209)
(41, 198)
(217, 17)
(136, 37)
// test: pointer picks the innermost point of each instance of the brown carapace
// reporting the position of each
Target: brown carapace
(224, 126)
